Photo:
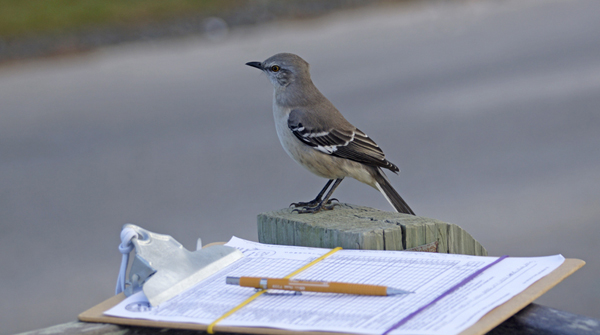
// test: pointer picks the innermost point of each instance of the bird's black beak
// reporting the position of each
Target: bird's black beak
(257, 65)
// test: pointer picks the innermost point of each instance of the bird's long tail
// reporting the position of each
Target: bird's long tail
(384, 186)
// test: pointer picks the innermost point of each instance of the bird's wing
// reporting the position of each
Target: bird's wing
(339, 139)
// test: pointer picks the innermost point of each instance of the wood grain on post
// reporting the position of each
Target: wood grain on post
(358, 227)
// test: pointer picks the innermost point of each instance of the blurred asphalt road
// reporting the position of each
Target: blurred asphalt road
(491, 109)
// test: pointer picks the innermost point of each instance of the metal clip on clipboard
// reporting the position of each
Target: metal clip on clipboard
(163, 268)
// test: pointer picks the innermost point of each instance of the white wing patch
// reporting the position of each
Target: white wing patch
(323, 133)
(328, 149)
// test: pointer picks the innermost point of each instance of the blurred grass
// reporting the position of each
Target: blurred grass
(20, 18)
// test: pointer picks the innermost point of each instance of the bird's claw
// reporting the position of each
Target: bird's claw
(311, 210)
(312, 203)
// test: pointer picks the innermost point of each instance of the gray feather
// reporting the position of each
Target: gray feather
(345, 140)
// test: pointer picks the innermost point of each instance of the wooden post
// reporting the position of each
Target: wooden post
(358, 227)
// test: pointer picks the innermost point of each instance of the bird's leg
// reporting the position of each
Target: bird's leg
(325, 203)
(314, 202)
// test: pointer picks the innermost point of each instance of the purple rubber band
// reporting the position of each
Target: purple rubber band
(450, 290)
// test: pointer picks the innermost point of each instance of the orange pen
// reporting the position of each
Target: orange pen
(313, 286)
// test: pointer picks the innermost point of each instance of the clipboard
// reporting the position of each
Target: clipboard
(485, 324)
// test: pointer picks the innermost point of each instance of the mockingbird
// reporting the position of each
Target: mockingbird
(316, 135)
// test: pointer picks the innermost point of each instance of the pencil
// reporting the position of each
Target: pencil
(314, 286)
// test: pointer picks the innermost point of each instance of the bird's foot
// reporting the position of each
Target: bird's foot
(315, 209)
(312, 203)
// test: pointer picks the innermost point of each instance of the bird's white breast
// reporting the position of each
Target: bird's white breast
(286, 137)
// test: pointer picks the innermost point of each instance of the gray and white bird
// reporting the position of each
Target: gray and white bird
(316, 135)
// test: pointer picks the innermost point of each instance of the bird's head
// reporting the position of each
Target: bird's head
(284, 69)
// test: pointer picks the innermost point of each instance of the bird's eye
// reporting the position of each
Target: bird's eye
(275, 68)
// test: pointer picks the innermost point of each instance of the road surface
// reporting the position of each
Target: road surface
(490, 109)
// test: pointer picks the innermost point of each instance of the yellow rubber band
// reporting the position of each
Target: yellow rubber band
(233, 310)
(211, 326)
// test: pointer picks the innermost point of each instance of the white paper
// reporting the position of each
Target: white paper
(429, 275)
